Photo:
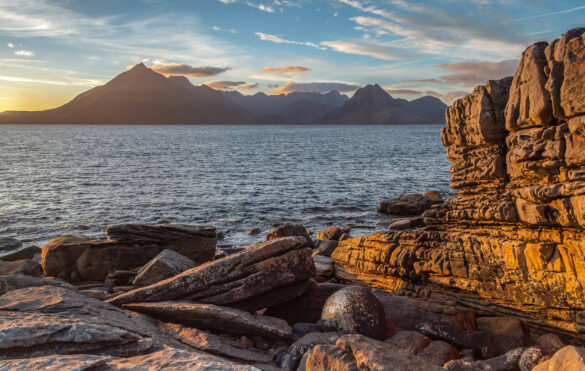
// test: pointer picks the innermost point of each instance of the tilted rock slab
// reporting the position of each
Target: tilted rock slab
(259, 270)
(512, 241)
(216, 318)
(167, 264)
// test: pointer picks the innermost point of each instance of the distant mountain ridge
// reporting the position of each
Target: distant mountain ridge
(373, 105)
(143, 96)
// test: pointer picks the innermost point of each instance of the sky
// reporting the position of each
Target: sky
(52, 50)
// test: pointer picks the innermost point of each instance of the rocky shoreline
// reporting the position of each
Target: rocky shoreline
(491, 279)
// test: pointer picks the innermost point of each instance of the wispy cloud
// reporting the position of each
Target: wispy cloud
(231, 30)
(473, 73)
(230, 85)
(24, 53)
(313, 87)
(285, 70)
(279, 40)
(565, 11)
(385, 52)
(10, 45)
(177, 69)
(19, 79)
(260, 6)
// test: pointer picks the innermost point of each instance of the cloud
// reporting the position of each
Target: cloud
(384, 52)
(24, 53)
(286, 70)
(455, 95)
(552, 13)
(233, 31)
(186, 70)
(313, 87)
(230, 85)
(404, 92)
(263, 7)
(278, 40)
(473, 73)
(10, 45)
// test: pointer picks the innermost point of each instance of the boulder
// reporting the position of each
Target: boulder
(170, 358)
(411, 204)
(59, 257)
(439, 353)
(27, 253)
(307, 307)
(165, 265)
(569, 358)
(411, 341)
(9, 243)
(215, 318)
(354, 310)
(504, 362)
(323, 265)
(253, 231)
(407, 223)
(326, 247)
(330, 233)
(501, 334)
(290, 230)
(19, 267)
(290, 361)
(363, 353)
(262, 270)
(10, 283)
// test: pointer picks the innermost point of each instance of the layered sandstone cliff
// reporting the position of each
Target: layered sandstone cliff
(513, 240)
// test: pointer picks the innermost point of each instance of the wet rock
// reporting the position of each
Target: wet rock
(330, 233)
(326, 247)
(411, 341)
(28, 253)
(20, 267)
(406, 223)
(263, 270)
(323, 266)
(307, 307)
(215, 318)
(439, 353)
(9, 243)
(214, 344)
(10, 283)
(253, 231)
(165, 265)
(412, 204)
(354, 310)
(569, 358)
(292, 358)
(290, 230)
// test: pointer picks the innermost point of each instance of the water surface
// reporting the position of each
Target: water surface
(57, 180)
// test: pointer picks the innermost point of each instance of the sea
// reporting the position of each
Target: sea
(77, 180)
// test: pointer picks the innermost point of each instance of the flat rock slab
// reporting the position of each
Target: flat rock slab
(167, 264)
(10, 283)
(243, 276)
(26, 253)
(26, 267)
(215, 318)
(168, 359)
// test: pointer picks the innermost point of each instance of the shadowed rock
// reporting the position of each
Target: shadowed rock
(166, 264)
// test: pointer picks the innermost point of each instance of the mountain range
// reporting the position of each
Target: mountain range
(143, 96)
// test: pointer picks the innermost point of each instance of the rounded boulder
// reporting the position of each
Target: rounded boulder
(354, 310)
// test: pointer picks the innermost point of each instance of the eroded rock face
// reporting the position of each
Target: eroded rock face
(254, 278)
(512, 240)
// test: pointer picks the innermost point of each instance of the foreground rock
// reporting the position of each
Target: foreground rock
(354, 310)
(213, 317)
(10, 283)
(165, 265)
(254, 278)
(510, 242)
(24, 254)
(412, 204)
(17, 267)
(569, 358)
(130, 246)
(290, 230)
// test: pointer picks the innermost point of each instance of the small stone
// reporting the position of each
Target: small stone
(326, 247)
(439, 353)
(253, 231)
(330, 233)
(354, 310)
(290, 230)
(411, 341)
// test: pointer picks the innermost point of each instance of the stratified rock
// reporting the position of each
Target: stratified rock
(330, 233)
(215, 318)
(46, 320)
(307, 307)
(354, 310)
(569, 358)
(439, 353)
(412, 204)
(214, 344)
(368, 354)
(243, 276)
(290, 230)
(411, 341)
(130, 246)
(165, 265)
(17, 267)
(26, 253)
(290, 361)
(10, 283)
(9, 243)
(167, 359)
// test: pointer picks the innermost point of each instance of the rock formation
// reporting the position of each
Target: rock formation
(512, 241)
